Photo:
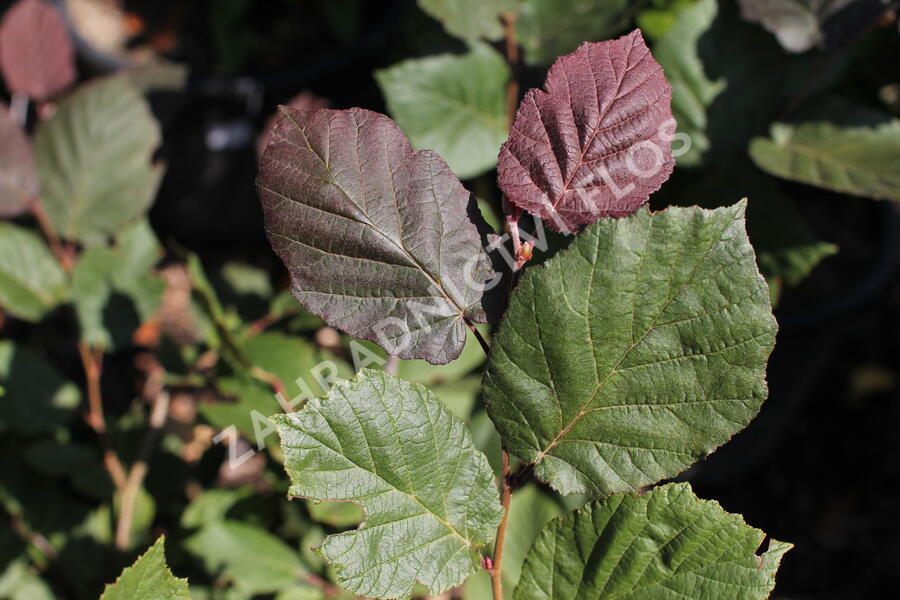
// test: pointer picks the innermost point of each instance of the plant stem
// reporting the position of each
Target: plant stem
(92, 364)
(479, 337)
(138, 471)
(63, 256)
(496, 571)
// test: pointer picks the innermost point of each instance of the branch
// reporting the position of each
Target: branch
(92, 364)
(138, 470)
(64, 256)
(479, 337)
(495, 569)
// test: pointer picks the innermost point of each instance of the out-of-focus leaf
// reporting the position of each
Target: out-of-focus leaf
(452, 104)
(142, 518)
(459, 396)
(652, 353)
(594, 142)
(148, 577)
(470, 19)
(551, 28)
(336, 514)
(861, 161)
(659, 18)
(380, 240)
(212, 506)
(18, 182)
(37, 397)
(305, 100)
(94, 161)
(36, 56)
(429, 495)
(19, 581)
(530, 509)
(245, 279)
(666, 545)
(796, 23)
(692, 90)
(31, 281)
(114, 288)
(254, 560)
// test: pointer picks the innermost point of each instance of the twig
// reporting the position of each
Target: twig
(63, 256)
(479, 337)
(495, 570)
(32, 537)
(139, 470)
(92, 364)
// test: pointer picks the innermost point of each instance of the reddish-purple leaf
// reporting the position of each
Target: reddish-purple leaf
(596, 143)
(305, 100)
(36, 54)
(380, 240)
(18, 183)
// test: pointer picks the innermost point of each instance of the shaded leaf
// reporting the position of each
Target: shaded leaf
(36, 56)
(651, 354)
(380, 240)
(692, 90)
(31, 281)
(429, 495)
(94, 161)
(18, 182)
(470, 19)
(594, 144)
(254, 560)
(666, 545)
(115, 289)
(37, 397)
(336, 514)
(551, 28)
(796, 23)
(452, 104)
(861, 161)
(148, 577)
(212, 506)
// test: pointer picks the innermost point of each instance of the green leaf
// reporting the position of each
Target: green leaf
(666, 545)
(692, 90)
(550, 28)
(452, 104)
(857, 160)
(429, 495)
(37, 397)
(94, 161)
(657, 20)
(31, 281)
(115, 290)
(255, 561)
(470, 19)
(633, 353)
(148, 577)
(336, 514)
(212, 506)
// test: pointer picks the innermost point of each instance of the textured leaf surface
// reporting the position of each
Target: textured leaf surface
(380, 240)
(256, 561)
(796, 23)
(31, 281)
(470, 19)
(94, 160)
(452, 104)
(550, 28)
(36, 56)
(592, 145)
(636, 351)
(429, 495)
(855, 160)
(114, 289)
(148, 577)
(692, 90)
(667, 545)
(37, 398)
(18, 182)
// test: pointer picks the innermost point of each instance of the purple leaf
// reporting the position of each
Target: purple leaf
(380, 240)
(596, 143)
(18, 183)
(305, 100)
(36, 55)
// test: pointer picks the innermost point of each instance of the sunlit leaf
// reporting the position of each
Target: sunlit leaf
(31, 281)
(148, 577)
(470, 19)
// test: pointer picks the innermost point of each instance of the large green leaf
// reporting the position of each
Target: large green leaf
(37, 397)
(667, 545)
(692, 90)
(255, 561)
(633, 353)
(429, 495)
(94, 160)
(470, 19)
(550, 28)
(115, 290)
(452, 104)
(858, 160)
(148, 577)
(31, 281)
